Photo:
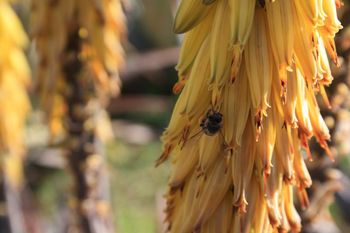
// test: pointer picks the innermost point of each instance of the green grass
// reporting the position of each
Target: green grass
(135, 184)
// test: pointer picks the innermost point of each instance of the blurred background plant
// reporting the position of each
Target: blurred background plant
(45, 197)
(15, 106)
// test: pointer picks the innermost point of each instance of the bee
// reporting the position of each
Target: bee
(212, 125)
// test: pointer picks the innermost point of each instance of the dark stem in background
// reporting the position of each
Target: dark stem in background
(77, 137)
(4, 218)
(91, 187)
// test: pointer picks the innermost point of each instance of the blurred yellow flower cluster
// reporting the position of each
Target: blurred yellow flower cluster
(80, 53)
(14, 101)
(101, 25)
(264, 62)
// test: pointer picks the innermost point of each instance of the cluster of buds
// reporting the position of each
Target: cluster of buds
(264, 62)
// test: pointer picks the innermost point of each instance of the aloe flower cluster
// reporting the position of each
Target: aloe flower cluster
(80, 54)
(264, 62)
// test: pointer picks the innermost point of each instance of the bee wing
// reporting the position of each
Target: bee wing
(192, 141)
(224, 149)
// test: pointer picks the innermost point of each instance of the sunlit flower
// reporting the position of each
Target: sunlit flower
(263, 62)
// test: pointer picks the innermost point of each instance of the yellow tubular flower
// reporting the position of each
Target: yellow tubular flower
(190, 47)
(221, 56)
(259, 67)
(14, 101)
(241, 21)
(258, 64)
